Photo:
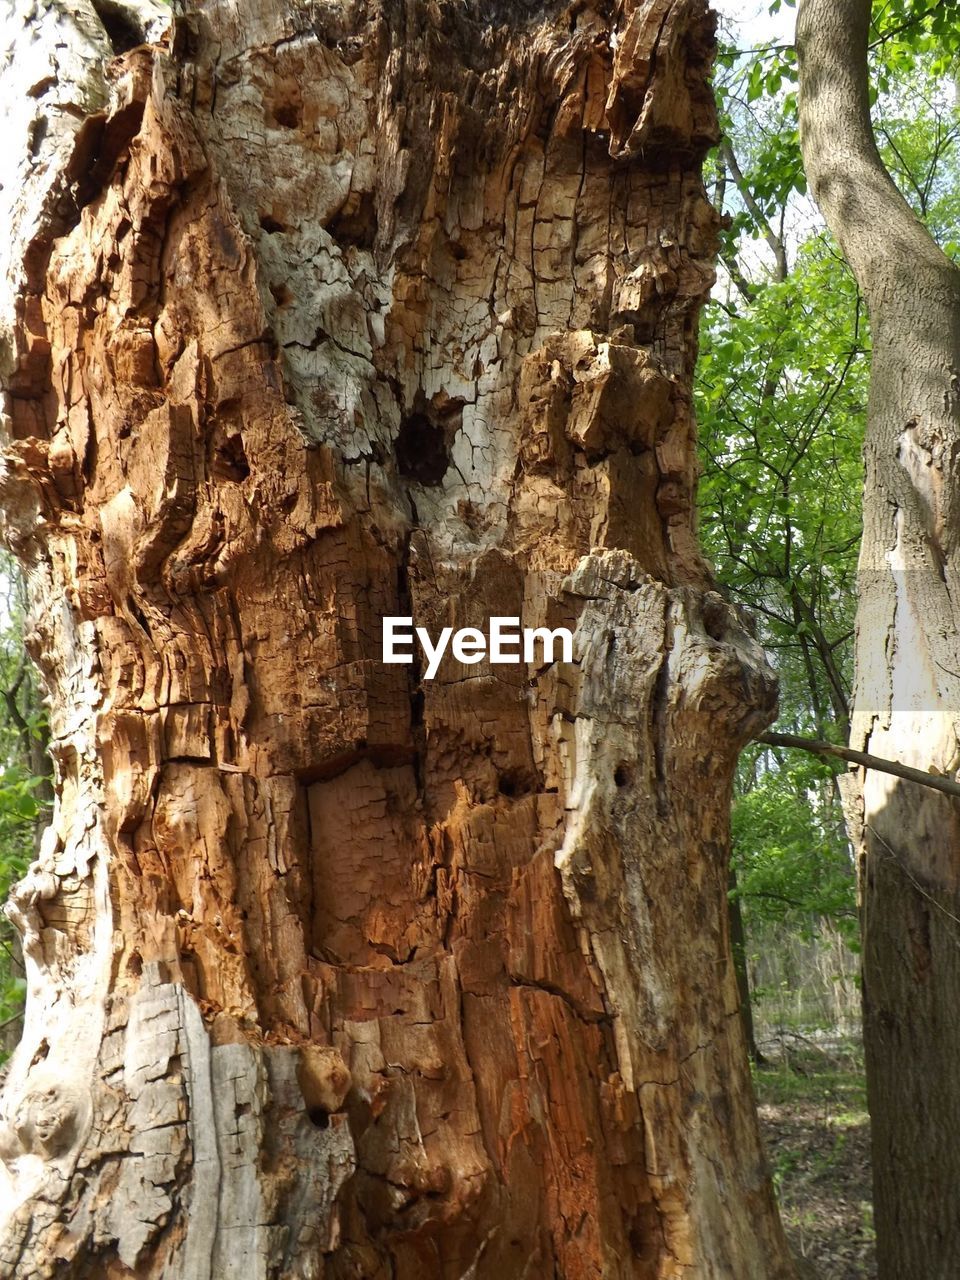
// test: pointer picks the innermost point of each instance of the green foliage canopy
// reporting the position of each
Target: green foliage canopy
(781, 394)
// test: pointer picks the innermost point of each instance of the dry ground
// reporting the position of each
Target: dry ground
(813, 1112)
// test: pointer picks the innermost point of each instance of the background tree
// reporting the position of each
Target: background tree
(25, 786)
(780, 394)
(906, 627)
(908, 686)
(763, 557)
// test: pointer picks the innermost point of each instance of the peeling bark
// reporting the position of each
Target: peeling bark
(317, 317)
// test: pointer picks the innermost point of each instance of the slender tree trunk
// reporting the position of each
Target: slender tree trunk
(319, 314)
(741, 965)
(907, 695)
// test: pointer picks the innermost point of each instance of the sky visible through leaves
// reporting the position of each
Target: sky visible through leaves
(753, 20)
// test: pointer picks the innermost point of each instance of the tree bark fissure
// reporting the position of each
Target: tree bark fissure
(364, 311)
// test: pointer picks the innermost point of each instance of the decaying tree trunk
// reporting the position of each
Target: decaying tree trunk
(320, 313)
(907, 694)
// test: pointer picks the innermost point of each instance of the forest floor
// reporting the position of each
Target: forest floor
(813, 1111)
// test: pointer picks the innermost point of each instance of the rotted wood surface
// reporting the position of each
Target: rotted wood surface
(317, 314)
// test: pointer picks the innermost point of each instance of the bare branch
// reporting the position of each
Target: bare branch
(771, 237)
(815, 747)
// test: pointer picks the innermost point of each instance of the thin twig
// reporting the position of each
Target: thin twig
(17, 1017)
